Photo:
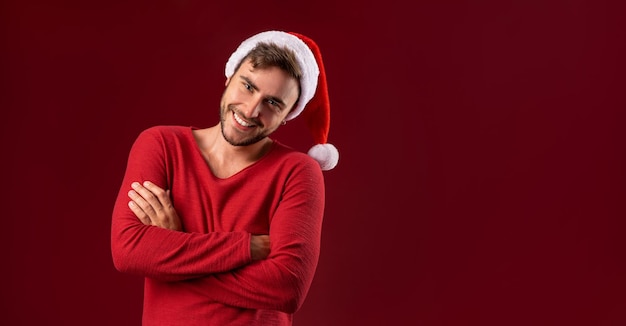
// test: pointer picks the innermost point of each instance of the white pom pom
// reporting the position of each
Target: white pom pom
(326, 155)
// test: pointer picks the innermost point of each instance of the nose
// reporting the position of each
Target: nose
(253, 107)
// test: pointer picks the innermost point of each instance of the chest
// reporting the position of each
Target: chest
(236, 204)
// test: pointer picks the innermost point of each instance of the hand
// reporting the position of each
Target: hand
(259, 246)
(152, 205)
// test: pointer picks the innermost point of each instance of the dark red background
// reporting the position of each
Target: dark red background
(482, 172)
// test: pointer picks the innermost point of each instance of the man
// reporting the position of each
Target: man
(225, 223)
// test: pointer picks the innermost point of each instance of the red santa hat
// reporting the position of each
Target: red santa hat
(313, 103)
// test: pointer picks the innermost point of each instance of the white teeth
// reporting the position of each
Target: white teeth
(240, 121)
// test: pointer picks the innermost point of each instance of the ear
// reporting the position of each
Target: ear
(227, 81)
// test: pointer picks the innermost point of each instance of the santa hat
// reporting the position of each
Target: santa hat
(313, 102)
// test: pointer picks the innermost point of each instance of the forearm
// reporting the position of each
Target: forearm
(160, 253)
(281, 281)
(171, 255)
(277, 283)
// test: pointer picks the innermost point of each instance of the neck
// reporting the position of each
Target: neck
(213, 145)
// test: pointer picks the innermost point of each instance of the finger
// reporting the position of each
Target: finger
(141, 215)
(160, 193)
(145, 206)
(167, 203)
(148, 196)
(163, 195)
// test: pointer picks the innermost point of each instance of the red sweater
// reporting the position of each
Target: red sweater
(205, 275)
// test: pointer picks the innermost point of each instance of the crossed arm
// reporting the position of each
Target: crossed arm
(234, 268)
(276, 281)
(152, 206)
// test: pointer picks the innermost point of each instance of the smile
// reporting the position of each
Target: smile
(241, 121)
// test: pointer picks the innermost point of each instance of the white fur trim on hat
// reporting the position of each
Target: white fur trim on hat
(304, 57)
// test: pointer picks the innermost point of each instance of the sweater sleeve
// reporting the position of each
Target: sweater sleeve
(280, 282)
(161, 253)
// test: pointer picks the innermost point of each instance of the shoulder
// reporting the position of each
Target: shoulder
(296, 172)
(164, 134)
(165, 131)
(162, 137)
(292, 155)
(293, 161)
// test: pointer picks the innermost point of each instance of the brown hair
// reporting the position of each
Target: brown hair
(265, 55)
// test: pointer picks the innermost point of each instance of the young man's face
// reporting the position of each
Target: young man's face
(255, 103)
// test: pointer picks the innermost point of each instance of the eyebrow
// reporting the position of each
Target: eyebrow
(275, 99)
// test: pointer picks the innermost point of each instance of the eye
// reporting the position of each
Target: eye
(275, 105)
(247, 86)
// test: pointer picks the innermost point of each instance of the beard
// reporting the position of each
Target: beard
(253, 139)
